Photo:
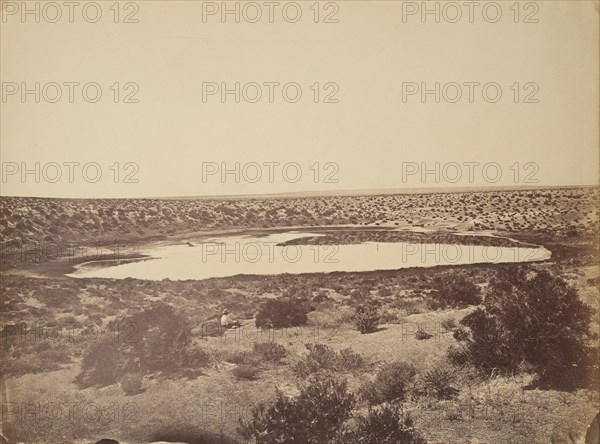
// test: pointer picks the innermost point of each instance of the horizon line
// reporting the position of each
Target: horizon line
(332, 193)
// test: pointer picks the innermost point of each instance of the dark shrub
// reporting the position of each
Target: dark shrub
(102, 364)
(449, 324)
(322, 358)
(392, 383)
(437, 383)
(460, 334)
(458, 356)
(278, 313)
(155, 340)
(366, 318)
(535, 318)
(243, 371)
(384, 425)
(270, 351)
(314, 416)
(453, 291)
(132, 383)
(350, 361)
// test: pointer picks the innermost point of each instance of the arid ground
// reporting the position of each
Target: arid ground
(137, 361)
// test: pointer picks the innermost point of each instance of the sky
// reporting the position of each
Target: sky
(161, 126)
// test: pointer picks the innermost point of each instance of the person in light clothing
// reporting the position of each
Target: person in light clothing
(227, 322)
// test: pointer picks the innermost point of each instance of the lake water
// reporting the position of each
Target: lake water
(260, 255)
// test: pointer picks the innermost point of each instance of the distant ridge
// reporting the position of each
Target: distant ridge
(377, 192)
(333, 193)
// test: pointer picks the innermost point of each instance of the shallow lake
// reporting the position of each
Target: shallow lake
(260, 255)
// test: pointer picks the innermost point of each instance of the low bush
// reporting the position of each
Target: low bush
(314, 416)
(366, 318)
(437, 383)
(154, 340)
(270, 351)
(248, 372)
(322, 358)
(392, 383)
(453, 291)
(279, 313)
(384, 425)
(449, 324)
(132, 384)
(536, 319)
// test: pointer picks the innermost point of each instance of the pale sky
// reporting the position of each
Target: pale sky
(371, 134)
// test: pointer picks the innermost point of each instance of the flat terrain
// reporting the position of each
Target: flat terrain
(56, 320)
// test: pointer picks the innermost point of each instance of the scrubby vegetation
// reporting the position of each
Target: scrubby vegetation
(277, 313)
(385, 424)
(321, 358)
(160, 342)
(132, 384)
(314, 416)
(366, 317)
(535, 319)
(511, 358)
(558, 212)
(244, 371)
(392, 383)
(453, 291)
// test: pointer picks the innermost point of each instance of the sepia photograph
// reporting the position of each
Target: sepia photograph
(300, 222)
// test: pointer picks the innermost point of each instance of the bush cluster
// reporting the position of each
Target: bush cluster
(366, 318)
(156, 340)
(280, 313)
(322, 358)
(392, 383)
(533, 318)
(244, 371)
(453, 291)
(314, 416)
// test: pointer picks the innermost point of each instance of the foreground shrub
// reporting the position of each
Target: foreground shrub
(102, 364)
(155, 340)
(453, 291)
(533, 318)
(392, 383)
(284, 312)
(243, 371)
(270, 351)
(438, 383)
(314, 416)
(384, 425)
(322, 358)
(366, 318)
(132, 384)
